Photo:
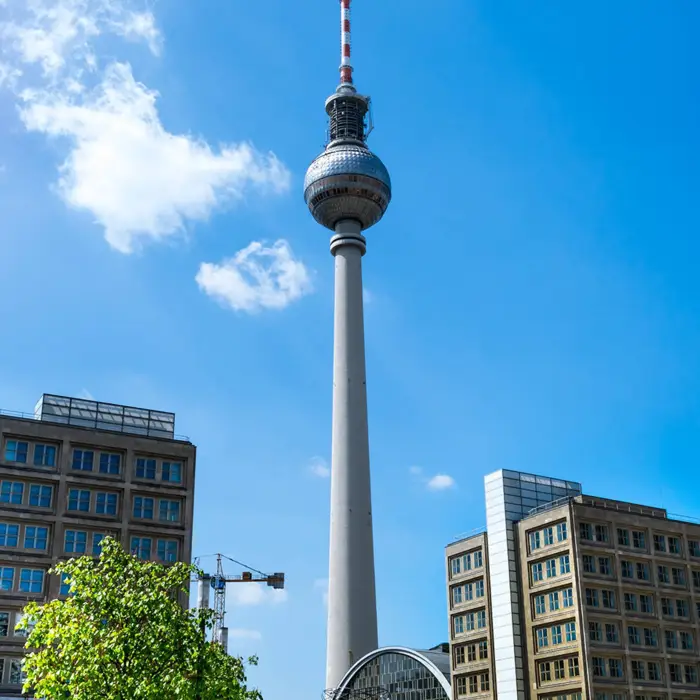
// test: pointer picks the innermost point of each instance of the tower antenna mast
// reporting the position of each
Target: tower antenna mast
(345, 43)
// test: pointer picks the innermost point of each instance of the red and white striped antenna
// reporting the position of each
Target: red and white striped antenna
(345, 64)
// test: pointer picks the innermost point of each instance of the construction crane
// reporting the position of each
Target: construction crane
(218, 582)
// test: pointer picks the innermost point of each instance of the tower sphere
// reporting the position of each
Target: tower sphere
(347, 181)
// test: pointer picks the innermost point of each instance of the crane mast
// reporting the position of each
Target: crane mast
(218, 582)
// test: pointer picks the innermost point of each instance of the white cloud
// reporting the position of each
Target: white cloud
(441, 482)
(256, 278)
(319, 467)
(321, 585)
(438, 482)
(249, 594)
(235, 633)
(136, 179)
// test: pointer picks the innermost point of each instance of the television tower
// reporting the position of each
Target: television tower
(348, 189)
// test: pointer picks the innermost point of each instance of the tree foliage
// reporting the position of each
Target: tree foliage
(122, 634)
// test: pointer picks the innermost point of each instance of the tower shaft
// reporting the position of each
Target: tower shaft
(352, 609)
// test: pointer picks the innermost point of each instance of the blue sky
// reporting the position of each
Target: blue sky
(533, 299)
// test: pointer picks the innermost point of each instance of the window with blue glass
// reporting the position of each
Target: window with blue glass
(16, 451)
(97, 543)
(172, 472)
(143, 508)
(36, 537)
(12, 492)
(65, 586)
(44, 456)
(167, 550)
(75, 542)
(145, 468)
(169, 511)
(106, 504)
(110, 463)
(9, 535)
(83, 460)
(31, 581)
(40, 496)
(79, 500)
(141, 547)
(7, 578)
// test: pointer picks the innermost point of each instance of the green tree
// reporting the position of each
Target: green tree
(122, 634)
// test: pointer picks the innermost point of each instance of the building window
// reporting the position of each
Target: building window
(559, 672)
(646, 604)
(609, 600)
(654, 670)
(574, 668)
(638, 671)
(682, 608)
(687, 641)
(615, 666)
(633, 636)
(554, 600)
(623, 537)
(562, 533)
(75, 542)
(471, 653)
(662, 574)
(564, 564)
(696, 579)
(598, 666)
(545, 672)
(478, 556)
(627, 570)
(9, 535)
(542, 638)
(588, 564)
(459, 656)
(473, 684)
(31, 580)
(595, 631)
(548, 533)
(674, 545)
(659, 543)
(470, 622)
(678, 576)
(83, 459)
(539, 605)
(143, 508)
(484, 681)
(172, 472)
(534, 541)
(481, 619)
(650, 638)
(611, 633)
(79, 500)
(604, 566)
(676, 673)
(691, 674)
(631, 602)
(483, 650)
(110, 463)
(44, 456)
(639, 539)
(568, 596)
(478, 585)
(146, 468)
(643, 572)
(16, 451)
(694, 548)
(570, 631)
(65, 586)
(459, 625)
(601, 533)
(455, 566)
(461, 686)
(469, 591)
(537, 574)
(40, 496)
(556, 634)
(17, 676)
(592, 597)
(7, 578)
(106, 504)
(167, 550)
(97, 543)
(12, 492)
(36, 538)
(456, 591)
(141, 547)
(4, 624)
(667, 608)
(671, 639)
(586, 531)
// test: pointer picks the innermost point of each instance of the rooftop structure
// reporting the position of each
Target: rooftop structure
(347, 189)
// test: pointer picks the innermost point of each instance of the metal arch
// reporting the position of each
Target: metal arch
(412, 653)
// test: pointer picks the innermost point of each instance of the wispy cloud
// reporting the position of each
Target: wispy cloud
(319, 467)
(139, 181)
(256, 278)
(436, 482)
(250, 594)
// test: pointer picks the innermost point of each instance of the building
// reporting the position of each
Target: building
(72, 473)
(348, 189)
(398, 673)
(604, 604)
